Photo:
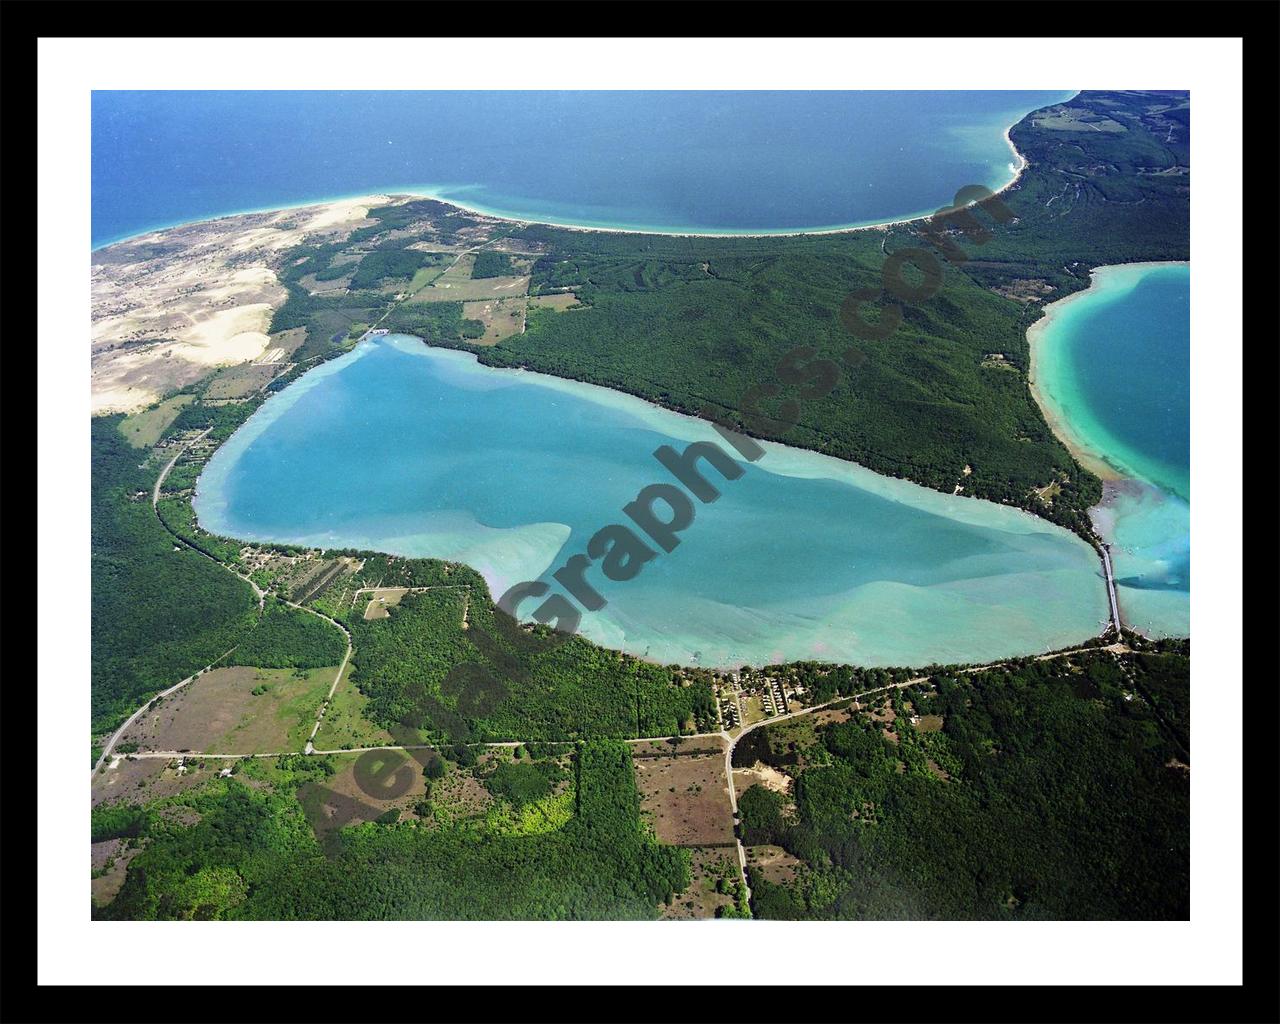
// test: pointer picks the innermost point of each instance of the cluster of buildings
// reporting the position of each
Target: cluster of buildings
(730, 712)
(774, 699)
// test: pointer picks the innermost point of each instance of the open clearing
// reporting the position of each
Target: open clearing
(460, 796)
(148, 778)
(1065, 119)
(777, 866)
(110, 859)
(424, 276)
(501, 318)
(686, 798)
(559, 301)
(700, 901)
(282, 345)
(333, 286)
(381, 600)
(687, 745)
(761, 775)
(241, 381)
(220, 713)
(344, 723)
(466, 290)
(457, 285)
(398, 775)
(143, 429)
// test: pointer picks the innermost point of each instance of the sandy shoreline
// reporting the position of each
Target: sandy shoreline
(1022, 165)
(167, 299)
(1062, 428)
(411, 192)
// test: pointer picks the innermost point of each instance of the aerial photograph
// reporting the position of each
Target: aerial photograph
(639, 505)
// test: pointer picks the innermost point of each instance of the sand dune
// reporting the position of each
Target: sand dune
(170, 305)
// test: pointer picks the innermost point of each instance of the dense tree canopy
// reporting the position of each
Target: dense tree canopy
(1051, 791)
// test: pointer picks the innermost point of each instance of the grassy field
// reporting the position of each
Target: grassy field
(423, 277)
(558, 301)
(378, 601)
(501, 318)
(709, 869)
(143, 429)
(283, 345)
(240, 381)
(457, 285)
(345, 724)
(685, 798)
(236, 711)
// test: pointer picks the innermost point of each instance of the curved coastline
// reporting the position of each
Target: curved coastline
(441, 193)
(1107, 465)
(1144, 514)
(788, 460)
(866, 620)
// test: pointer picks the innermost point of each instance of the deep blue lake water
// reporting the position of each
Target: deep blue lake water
(693, 161)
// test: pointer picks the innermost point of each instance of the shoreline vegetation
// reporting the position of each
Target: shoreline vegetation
(949, 415)
(1006, 265)
(683, 322)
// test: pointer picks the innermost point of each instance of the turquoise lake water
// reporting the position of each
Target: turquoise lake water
(667, 161)
(416, 451)
(1114, 365)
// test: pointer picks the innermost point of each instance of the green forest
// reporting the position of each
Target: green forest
(493, 681)
(286, 637)
(160, 611)
(492, 264)
(1051, 791)
(253, 855)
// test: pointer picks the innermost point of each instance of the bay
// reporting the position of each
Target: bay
(415, 451)
(716, 162)
(1112, 371)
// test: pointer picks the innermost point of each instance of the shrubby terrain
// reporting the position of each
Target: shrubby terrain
(253, 855)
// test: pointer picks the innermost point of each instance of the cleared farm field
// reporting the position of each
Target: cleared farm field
(241, 381)
(773, 863)
(400, 779)
(501, 318)
(344, 723)
(144, 779)
(283, 345)
(236, 711)
(143, 429)
(423, 277)
(467, 290)
(707, 867)
(333, 286)
(381, 600)
(560, 301)
(457, 285)
(686, 798)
